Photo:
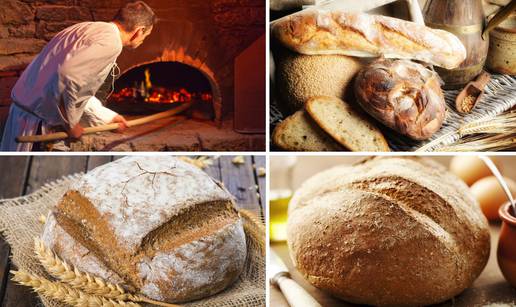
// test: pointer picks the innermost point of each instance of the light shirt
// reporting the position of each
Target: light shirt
(69, 70)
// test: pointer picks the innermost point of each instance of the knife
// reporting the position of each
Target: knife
(295, 294)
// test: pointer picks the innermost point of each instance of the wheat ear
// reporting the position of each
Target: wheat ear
(84, 281)
(64, 293)
(258, 231)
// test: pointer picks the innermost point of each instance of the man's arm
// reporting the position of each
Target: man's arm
(97, 114)
(80, 77)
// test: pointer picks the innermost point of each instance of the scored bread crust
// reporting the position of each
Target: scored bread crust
(318, 31)
(388, 232)
(164, 226)
(403, 95)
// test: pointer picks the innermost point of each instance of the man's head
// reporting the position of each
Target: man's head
(135, 21)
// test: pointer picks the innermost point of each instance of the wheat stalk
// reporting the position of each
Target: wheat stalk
(64, 293)
(84, 281)
(257, 232)
(482, 143)
(495, 129)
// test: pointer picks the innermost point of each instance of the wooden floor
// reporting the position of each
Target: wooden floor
(21, 175)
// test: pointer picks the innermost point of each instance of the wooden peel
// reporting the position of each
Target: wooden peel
(109, 127)
(471, 94)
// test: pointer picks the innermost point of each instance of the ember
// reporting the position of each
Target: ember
(147, 92)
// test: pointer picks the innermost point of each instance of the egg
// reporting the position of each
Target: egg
(471, 168)
(490, 195)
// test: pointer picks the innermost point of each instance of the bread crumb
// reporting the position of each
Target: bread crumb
(261, 171)
(201, 162)
(238, 160)
(42, 219)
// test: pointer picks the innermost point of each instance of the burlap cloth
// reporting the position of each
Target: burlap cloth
(19, 225)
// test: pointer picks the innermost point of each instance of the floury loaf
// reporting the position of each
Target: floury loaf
(388, 232)
(319, 31)
(158, 225)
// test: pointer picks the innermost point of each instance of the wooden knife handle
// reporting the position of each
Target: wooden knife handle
(295, 294)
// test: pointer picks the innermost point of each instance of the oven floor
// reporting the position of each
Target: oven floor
(177, 133)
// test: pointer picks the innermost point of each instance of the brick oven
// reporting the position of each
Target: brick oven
(190, 55)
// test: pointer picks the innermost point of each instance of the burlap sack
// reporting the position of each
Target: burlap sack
(19, 225)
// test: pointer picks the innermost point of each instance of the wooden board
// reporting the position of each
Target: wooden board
(15, 170)
(48, 168)
(28, 174)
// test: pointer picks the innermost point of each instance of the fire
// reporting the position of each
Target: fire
(157, 94)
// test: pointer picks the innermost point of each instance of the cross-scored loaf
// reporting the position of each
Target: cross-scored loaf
(388, 232)
(160, 225)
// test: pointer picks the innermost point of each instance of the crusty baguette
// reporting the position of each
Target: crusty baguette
(349, 126)
(317, 31)
(388, 232)
(299, 132)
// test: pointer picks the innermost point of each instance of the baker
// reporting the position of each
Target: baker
(57, 90)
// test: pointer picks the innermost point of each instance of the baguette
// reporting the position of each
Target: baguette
(317, 31)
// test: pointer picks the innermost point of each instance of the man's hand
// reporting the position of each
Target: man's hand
(76, 131)
(122, 123)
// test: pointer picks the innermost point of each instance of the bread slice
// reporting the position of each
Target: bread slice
(349, 126)
(299, 132)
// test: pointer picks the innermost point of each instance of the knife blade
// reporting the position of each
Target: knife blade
(279, 276)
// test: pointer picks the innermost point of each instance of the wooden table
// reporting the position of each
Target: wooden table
(23, 175)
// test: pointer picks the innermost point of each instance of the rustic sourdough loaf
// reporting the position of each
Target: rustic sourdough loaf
(319, 31)
(161, 225)
(347, 124)
(299, 132)
(300, 77)
(403, 95)
(388, 232)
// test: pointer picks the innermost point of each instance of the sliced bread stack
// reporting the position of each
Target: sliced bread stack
(329, 124)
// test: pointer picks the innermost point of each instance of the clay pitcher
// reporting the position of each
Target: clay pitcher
(465, 19)
(507, 244)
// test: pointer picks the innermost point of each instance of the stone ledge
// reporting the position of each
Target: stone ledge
(174, 134)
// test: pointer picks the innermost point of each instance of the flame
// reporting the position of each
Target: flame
(148, 83)
(150, 93)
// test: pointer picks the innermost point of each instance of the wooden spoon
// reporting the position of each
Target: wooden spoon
(471, 94)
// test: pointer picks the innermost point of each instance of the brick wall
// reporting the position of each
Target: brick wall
(27, 25)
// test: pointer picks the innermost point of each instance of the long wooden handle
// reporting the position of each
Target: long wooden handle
(109, 127)
(295, 294)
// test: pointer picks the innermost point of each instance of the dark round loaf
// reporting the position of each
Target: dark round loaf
(388, 232)
(403, 95)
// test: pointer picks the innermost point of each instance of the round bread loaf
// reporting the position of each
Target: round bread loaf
(300, 77)
(157, 225)
(403, 95)
(388, 232)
